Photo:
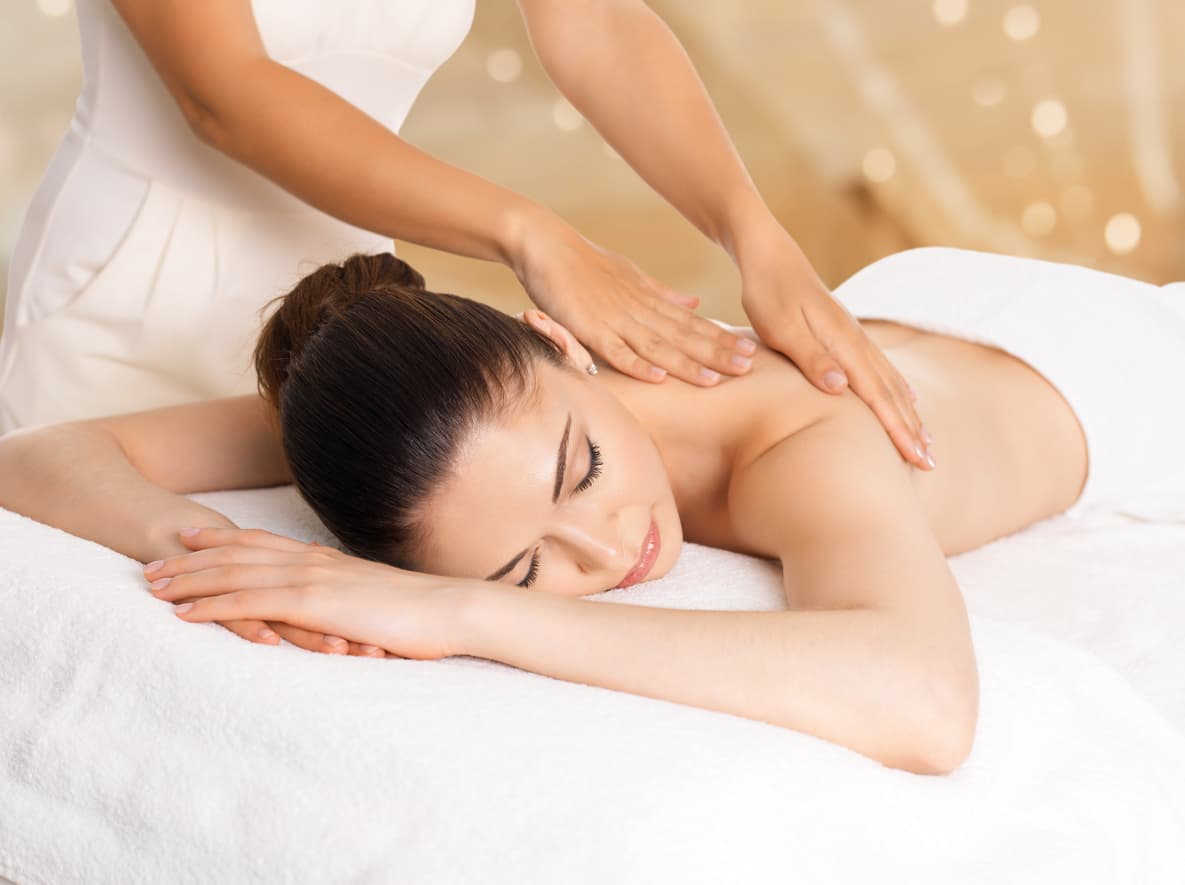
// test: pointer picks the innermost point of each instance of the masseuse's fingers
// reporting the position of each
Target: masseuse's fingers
(835, 354)
(886, 392)
(640, 326)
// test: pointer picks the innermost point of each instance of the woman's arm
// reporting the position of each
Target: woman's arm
(333, 156)
(875, 653)
(121, 481)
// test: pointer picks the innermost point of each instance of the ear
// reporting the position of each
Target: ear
(565, 340)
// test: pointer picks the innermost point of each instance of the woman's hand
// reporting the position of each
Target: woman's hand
(633, 321)
(794, 313)
(253, 574)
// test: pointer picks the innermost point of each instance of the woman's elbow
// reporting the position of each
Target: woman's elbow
(949, 731)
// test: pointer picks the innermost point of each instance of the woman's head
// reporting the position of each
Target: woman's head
(425, 430)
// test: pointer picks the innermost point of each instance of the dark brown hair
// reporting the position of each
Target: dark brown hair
(376, 382)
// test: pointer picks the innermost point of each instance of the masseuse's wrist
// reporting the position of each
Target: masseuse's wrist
(530, 233)
(746, 229)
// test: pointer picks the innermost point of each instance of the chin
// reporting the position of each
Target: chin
(670, 532)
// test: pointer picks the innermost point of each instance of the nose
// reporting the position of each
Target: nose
(596, 545)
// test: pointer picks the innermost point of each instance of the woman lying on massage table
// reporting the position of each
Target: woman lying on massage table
(484, 482)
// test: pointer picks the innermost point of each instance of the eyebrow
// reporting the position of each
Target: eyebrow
(561, 465)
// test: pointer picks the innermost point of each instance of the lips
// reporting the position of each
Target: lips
(651, 544)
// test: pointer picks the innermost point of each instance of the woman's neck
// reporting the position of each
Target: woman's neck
(703, 434)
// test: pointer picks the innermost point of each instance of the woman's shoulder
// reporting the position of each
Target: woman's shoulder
(836, 468)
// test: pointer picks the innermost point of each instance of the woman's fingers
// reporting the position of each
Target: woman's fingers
(363, 650)
(312, 640)
(234, 554)
(224, 578)
(281, 603)
(252, 631)
(201, 538)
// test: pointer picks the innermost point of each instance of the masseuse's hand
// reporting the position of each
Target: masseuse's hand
(794, 313)
(254, 574)
(633, 321)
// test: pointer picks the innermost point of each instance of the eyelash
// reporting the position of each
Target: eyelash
(594, 470)
(532, 572)
(595, 465)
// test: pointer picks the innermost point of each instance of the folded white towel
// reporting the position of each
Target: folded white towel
(138, 748)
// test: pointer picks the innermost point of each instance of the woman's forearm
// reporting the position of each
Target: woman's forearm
(77, 478)
(623, 68)
(851, 677)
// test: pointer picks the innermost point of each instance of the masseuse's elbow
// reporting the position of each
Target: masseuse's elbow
(205, 122)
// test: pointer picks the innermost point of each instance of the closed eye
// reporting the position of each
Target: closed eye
(532, 572)
(594, 467)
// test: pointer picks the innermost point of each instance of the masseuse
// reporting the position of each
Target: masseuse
(221, 149)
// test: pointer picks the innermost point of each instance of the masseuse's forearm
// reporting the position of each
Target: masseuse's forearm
(78, 479)
(849, 677)
(626, 72)
(333, 156)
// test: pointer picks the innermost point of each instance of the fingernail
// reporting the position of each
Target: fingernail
(834, 380)
(709, 375)
(657, 374)
(370, 650)
(917, 450)
(158, 585)
(926, 437)
(741, 362)
(747, 345)
(153, 566)
(182, 608)
(267, 634)
(189, 532)
(336, 642)
(930, 459)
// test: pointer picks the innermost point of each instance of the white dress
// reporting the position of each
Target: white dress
(145, 257)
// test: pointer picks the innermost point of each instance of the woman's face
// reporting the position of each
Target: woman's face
(566, 494)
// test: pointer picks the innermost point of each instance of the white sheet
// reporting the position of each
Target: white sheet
(138, 748)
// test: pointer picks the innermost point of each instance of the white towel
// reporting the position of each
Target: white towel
(139, 748)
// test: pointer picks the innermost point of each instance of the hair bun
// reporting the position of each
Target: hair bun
(325, 293)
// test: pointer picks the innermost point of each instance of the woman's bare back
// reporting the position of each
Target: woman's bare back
(1009, 449)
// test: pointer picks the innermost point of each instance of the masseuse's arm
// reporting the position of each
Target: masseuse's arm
(333, 156)
(623, 68)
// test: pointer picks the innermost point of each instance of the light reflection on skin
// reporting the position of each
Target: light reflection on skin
(498, 502)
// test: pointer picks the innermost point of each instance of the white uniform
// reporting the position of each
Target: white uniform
(145, 256)
(1112, 346)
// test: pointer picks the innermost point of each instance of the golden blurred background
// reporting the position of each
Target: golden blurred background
(1054, 129)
